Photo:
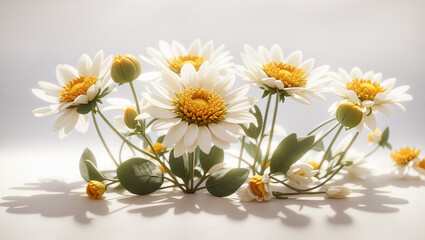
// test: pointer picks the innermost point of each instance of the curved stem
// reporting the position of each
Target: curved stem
(103, 140)
(329, 148)
(240, 154)
(347, 148)
(374, 150)
(271, 135)
(122, 137)
(326, 134)
(191, 169)
(266, 113)
(142, 122)
(321, 125)
(119, 154)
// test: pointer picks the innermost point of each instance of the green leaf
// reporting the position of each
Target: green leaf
(265, 93)
(215, 156)
(226, 181)
(140, 176)
(179, 166)
(88, 167)
(319, 146)
(254, 131)
(289, 151)
(251, 149)
(384, 137)
(86, 108)
(160, 139)
(106, 91)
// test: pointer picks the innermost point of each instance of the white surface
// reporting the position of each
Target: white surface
(386, 36)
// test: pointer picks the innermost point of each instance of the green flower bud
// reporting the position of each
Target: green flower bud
(125, 68)
(349, 114)
(129, 118)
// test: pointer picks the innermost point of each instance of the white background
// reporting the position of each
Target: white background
(384, 36)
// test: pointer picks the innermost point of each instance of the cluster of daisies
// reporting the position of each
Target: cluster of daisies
(194, 106)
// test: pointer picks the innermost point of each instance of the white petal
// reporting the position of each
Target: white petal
(175, 134)
(97, 64)
(159, 112)
(295, 58)
(83, 123)
(191, 134)
(84, 65)
(370, 122)
(158, 101)
(204, 139)
(42, 95)
(82, 99)
(179, 149)
(65, 73)
(221, 133)
(164, 123)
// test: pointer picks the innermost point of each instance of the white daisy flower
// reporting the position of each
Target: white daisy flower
(77, 88)
(292, 75)
(172, 57)
(301, 174)
(258, 189)
(367, 91)
(419, 166)
(358, 169)
(404, 159)
(199, 109)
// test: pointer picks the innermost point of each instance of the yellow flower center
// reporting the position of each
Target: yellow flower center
(290, 76)
(405, 155)
(376, 132)
(314, 164)
(200, 106)
(365, 89)
(176, 64)
(421, 164)
(76, 87)
(257, 186)
(158, 148)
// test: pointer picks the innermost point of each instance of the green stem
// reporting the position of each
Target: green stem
(103, 140)
(326, 134)
(191, 169)
(119, 154)
(347, 148)
(142, 122)
(240, 154)
(374, 150)
(321, 125)
(329, 148)
(200, 181)
(266, 113)
(168, 187)
(271, 135)
(122, 137)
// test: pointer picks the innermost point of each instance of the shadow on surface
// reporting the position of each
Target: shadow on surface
(61, 199)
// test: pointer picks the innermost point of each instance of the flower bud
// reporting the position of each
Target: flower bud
(349, 115)
(337, 191)
(95, 189)
(129, 118)
(125, 68)
(158, 148)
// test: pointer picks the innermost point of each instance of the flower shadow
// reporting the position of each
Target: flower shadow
(60, 201)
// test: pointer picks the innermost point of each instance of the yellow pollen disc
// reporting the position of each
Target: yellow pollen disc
(290, 76)
(365, 89)
(176, 64)
(421, 164)
(158, 148)
(199, 106)
(257, 186)
(315, 165)
(76, 87)
(405, 155)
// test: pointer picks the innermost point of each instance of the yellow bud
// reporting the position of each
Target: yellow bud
(349, 114)
(125, 68)
(95, 189)
(158, 148)
(162, 168)
(129, 118)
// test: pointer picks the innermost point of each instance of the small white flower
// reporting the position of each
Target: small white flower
(337, 192)
(367, 91)
(258, 189)
(172, 57)
(404, 159)
(77, 86)
(375, 136)
(198, 109)
(271, 69)
(419, 166)
(301, 174)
